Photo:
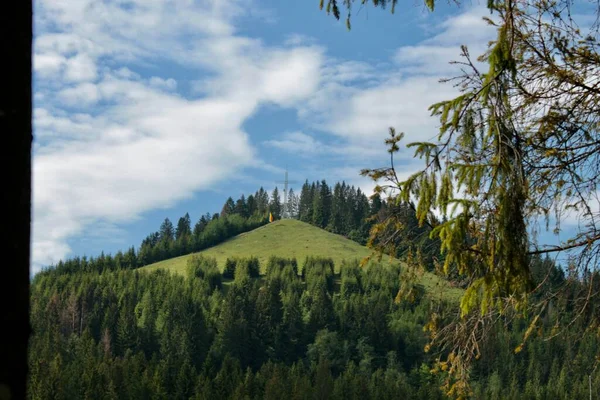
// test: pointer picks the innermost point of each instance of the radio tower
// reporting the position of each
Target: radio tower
(285, 212)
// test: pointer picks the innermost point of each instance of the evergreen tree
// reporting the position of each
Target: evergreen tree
(305, 205)
(362, 209)
(376, 204)
(130, 260)
(183, 227)
(201, 224)
(293, 204)
(251, 204)
(228, 207)
(241, 207)
(317, 209)
(127, 338)
(262, 201)
(326, 199)
(338, 205)
(275, 204)
(321, 204)
(167, 231)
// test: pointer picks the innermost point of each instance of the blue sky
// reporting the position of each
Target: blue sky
(147, 109)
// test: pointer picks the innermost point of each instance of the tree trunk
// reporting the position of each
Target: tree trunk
(15, 161)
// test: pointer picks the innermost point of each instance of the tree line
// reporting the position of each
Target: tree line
(298, 330)
(341, 209)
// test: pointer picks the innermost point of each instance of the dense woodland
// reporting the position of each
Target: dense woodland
(342, 209)
(104, 330)
(299, 331)
(508, 153)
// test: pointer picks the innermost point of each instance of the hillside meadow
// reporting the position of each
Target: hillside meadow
(290, 238)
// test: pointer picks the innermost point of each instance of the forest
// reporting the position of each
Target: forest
(304, 329)
(299, 331)
(341, 209)
(515, 150)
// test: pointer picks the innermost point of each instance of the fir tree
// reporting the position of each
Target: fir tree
(167, 231)
(251, 204)
(338, 204)
(275, 204)
(325, 196)
(306, 203)
(293, 204)
(241, 207)
(317, 210)
(201, 224)
(262, 201)
(183, 227)
(228, 207)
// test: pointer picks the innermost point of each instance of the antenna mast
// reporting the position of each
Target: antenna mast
(285, 212)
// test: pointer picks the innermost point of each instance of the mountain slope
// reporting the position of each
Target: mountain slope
(293, 238)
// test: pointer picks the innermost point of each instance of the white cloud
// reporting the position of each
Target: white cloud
(467, 28)
(111, 145)
(281, 76)
(165, 84)
(48, 64)
(424, 60)
(83, 95)
(80, 68)
(433, 55)
(65, 43)
(341, 71)
(297, 142)
(302, 144)
(296, 39)
(358, 102)
(126, 73)
(291, 75)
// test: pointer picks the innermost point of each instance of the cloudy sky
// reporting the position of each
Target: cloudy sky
(146, 109)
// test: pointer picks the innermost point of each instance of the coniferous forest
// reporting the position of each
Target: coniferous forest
(341, 209)
(299, 331)
(303, 329)
(499, 210)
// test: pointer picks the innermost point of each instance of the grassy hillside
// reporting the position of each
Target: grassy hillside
(293, 238)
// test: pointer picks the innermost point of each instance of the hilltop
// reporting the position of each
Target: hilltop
(293, 238)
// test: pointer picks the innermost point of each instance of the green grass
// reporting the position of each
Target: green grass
(293, 238)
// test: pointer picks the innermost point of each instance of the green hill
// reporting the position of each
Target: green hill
(293, 238)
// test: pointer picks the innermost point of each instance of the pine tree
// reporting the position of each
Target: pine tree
(323, 380)
(127, 338)
(317, 210)
(167, 231)
(305, 204)
(183, 227)
(201, 224)
(375, 203)
(241, 207)
(336, 223)
(262, 201)
(326, 199)
(251, 204)
(362, 208)
(228, 207)
(275, 204)
(293, 204)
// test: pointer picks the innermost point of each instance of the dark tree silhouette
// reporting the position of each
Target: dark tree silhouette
(15, 161)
